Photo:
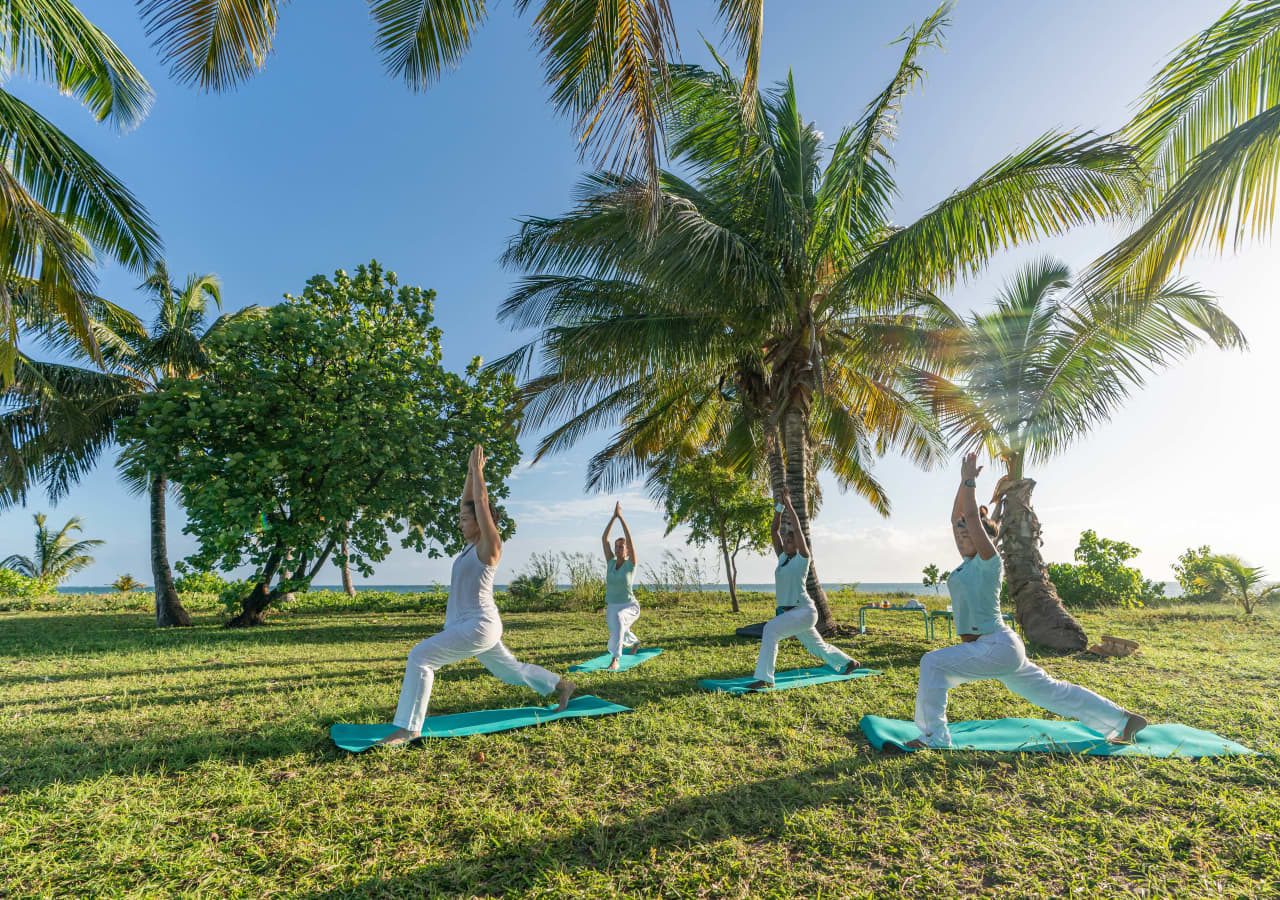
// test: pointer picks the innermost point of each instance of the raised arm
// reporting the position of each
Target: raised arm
(967, 497)
(801, 545)
(626, 533)
(489, 547)
(604, 538)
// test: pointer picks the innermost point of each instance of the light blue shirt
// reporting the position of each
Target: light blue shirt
(789, 581)
(975, 595)
(617, 583)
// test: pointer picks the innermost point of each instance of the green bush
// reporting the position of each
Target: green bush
(16, 586)
(1199, 574)
(530, 587)
(232, 595)
(189, 582)
(1099, 576)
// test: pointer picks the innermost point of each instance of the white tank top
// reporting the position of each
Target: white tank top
(470, 590)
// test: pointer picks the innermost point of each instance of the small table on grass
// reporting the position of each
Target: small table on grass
(950, 618)
(863, 610)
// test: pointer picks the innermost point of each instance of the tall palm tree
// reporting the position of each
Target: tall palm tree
(56, 556)
(604, 61)
(58, 418)
(1208, 131)
(1035, 375)
(59, 208)
(754, 315)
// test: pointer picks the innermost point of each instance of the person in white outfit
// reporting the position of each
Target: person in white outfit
(620, 607)
(472, 626)
(989, 649)
(796, 616)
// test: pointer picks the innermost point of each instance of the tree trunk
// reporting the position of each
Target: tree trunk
(728, 572)
(1037, 607)
(732, 574)
(169, 610)
(254, 607)
(796, 444)
(348, 587)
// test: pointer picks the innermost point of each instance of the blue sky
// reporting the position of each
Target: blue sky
(323, 161)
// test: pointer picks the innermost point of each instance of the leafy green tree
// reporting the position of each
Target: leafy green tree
(127, 584)
(57, 419)
(20, 586)
(56, 555)
(329, 416)
(775, 312)
(1242, 584)
(1036, 374)
(934, 577)
(60, 210)
(1208, 132)
(1099, 576)
(719, 505)
(1198, 575)
(605, 61)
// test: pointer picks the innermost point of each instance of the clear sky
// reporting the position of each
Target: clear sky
(323, 161)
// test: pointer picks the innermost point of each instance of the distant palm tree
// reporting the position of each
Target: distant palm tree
(56, 556)
(127, 584)
(1208, 130)
(1035, 375)
(1234, 580)
(58, 418)
(59, 208)
(777, 310)
(605, 61)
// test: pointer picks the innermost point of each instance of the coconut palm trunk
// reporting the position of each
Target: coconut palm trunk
(348, 586)
(169, 610)
(1038, 609)
(798, 465)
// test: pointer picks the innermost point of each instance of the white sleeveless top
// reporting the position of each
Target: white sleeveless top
(789, 581)
(470, 590)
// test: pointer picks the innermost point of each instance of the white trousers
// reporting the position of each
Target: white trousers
(798, 622)
(481, 639)
(621, 617)
(1001, 656)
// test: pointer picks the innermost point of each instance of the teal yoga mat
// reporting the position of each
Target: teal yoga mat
(358, 738)
(792, 678)
(1056, 736)
(626, 661)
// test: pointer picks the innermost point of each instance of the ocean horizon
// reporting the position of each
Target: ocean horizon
(863, 587)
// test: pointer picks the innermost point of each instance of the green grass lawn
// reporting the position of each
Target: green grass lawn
(145, 763)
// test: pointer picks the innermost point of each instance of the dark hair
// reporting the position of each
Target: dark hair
(992, 529)
(470, 506)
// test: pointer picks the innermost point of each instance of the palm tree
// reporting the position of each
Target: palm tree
(58, 418)
(754, 317)
(1208, 131)
(57, 556)
(1035, 375)
(59, 208)
(605, 62)
(1241, 583)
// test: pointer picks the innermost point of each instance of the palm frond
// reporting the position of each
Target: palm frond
(419, 39)
(212, 44)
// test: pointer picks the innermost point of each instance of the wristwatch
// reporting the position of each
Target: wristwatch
(970, 482)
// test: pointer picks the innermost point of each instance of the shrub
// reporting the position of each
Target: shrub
(127, 584)
(529, 587)
(1199, 574)
(233, 593)
(189, 582)
(585, 573)
(18, 586)
(1099, 576)
(677, 574)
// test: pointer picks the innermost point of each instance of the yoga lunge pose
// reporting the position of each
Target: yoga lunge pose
(989, 649)
(472, 626)
(620, 606)
(796, 614)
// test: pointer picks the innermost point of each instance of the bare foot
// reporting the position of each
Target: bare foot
(850, 668)
(759, 686)
(397, 738)
(634, 648)
(1132, 726)
(613, 666)
(917, 744)
(564, 690)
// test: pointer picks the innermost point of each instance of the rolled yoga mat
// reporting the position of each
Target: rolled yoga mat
(626, 661)
(1056, 736)
(358, 738)
(792, 678)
